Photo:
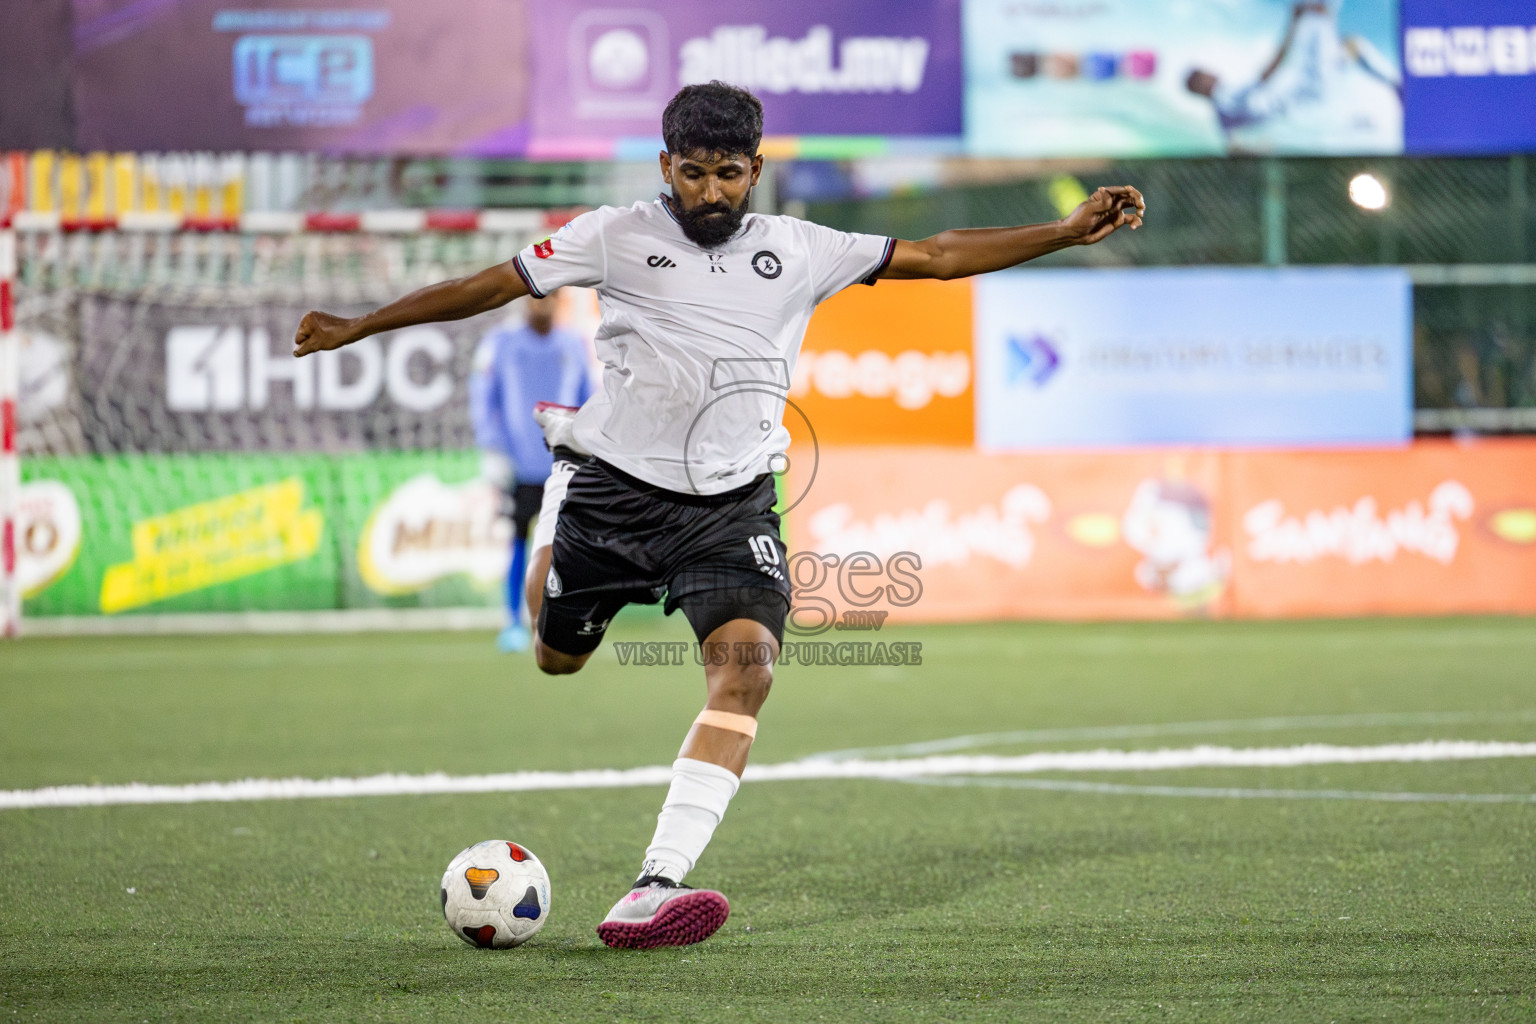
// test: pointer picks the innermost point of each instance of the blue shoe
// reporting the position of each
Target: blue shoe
(513, 639)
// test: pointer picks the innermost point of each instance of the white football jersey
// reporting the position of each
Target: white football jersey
(698, 345)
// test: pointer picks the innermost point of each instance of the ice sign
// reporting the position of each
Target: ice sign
(303, 80)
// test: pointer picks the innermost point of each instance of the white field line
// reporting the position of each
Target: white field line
(1157, 729)
(1120, 789)
(809, 768)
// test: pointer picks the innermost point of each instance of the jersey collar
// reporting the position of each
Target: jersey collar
(666, 204)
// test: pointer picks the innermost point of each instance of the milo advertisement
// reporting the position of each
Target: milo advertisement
(122, 535)
(418, 529)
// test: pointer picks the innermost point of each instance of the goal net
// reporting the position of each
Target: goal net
(175, 458)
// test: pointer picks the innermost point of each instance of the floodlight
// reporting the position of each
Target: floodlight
(1368, 192)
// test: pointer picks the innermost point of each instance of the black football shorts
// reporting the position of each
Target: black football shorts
(619, 540)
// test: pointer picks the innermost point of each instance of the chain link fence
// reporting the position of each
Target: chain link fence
(1466, 229)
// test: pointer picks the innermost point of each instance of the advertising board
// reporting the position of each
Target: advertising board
(152, 376)
(1469, 76)
(131, 534)
(1109, 358)
(1435, 528)
(890, 364)
(1127, 78)
(36, 60)
(842, 68)
(347, 76)
(1441, 528)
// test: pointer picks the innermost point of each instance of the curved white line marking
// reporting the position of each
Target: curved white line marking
(1070, 786)
(1126, 732)
(1140, 760)
(902, 769)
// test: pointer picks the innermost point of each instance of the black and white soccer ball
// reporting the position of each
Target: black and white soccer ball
(495, 895)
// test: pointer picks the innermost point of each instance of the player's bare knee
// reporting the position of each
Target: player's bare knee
(554, 663)
(558, 665)
(741, 688)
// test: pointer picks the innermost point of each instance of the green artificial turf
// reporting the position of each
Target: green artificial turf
(852, 900)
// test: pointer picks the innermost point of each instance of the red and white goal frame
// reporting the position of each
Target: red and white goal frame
(10, 463)
(527, 223)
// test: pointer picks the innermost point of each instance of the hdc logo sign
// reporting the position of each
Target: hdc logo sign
(229, 369)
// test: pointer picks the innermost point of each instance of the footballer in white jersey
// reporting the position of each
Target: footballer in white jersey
(672, 496)
(683, 324)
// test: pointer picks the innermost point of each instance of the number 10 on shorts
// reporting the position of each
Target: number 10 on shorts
(765, 551)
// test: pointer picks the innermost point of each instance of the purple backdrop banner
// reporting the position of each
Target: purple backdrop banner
(342, 76)
(822, 67)
(35, 108)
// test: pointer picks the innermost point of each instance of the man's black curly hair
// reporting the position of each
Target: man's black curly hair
(713, 118)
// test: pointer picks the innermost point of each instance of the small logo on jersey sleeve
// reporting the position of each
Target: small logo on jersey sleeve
(767, 265)
(545, 249)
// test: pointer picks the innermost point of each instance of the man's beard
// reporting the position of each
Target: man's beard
(706, 231)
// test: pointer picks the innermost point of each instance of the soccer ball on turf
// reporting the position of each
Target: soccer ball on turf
(495, 895)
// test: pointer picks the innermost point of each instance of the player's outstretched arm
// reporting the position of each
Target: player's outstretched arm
(448, 300)
(964, 252)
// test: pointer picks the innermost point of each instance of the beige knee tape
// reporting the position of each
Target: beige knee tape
(728, 720)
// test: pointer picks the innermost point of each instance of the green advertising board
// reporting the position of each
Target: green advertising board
(133, 534)
(418, 529)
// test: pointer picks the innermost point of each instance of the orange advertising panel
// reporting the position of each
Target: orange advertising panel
(925, 534)
(1440, 527)
(890, 365)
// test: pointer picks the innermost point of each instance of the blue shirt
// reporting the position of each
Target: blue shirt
(515, 368)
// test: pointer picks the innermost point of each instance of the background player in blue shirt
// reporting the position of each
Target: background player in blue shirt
(517, 366)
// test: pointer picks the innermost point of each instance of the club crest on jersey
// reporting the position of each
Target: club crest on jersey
(545, 249)
(767, 265)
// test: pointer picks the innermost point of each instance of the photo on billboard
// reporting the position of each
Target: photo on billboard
(338, 76)
(1127, 78)
(1469, 76)
(846, 68)
(1231, 357)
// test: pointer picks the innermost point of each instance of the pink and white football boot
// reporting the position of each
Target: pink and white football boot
(661, 912)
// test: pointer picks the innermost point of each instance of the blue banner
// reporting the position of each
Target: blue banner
(1470, 76)
(1234, 357)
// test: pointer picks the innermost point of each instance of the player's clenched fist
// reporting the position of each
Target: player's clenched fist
(319, 332)
(1109, 208)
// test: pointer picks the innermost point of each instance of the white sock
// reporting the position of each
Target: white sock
(694, 806)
